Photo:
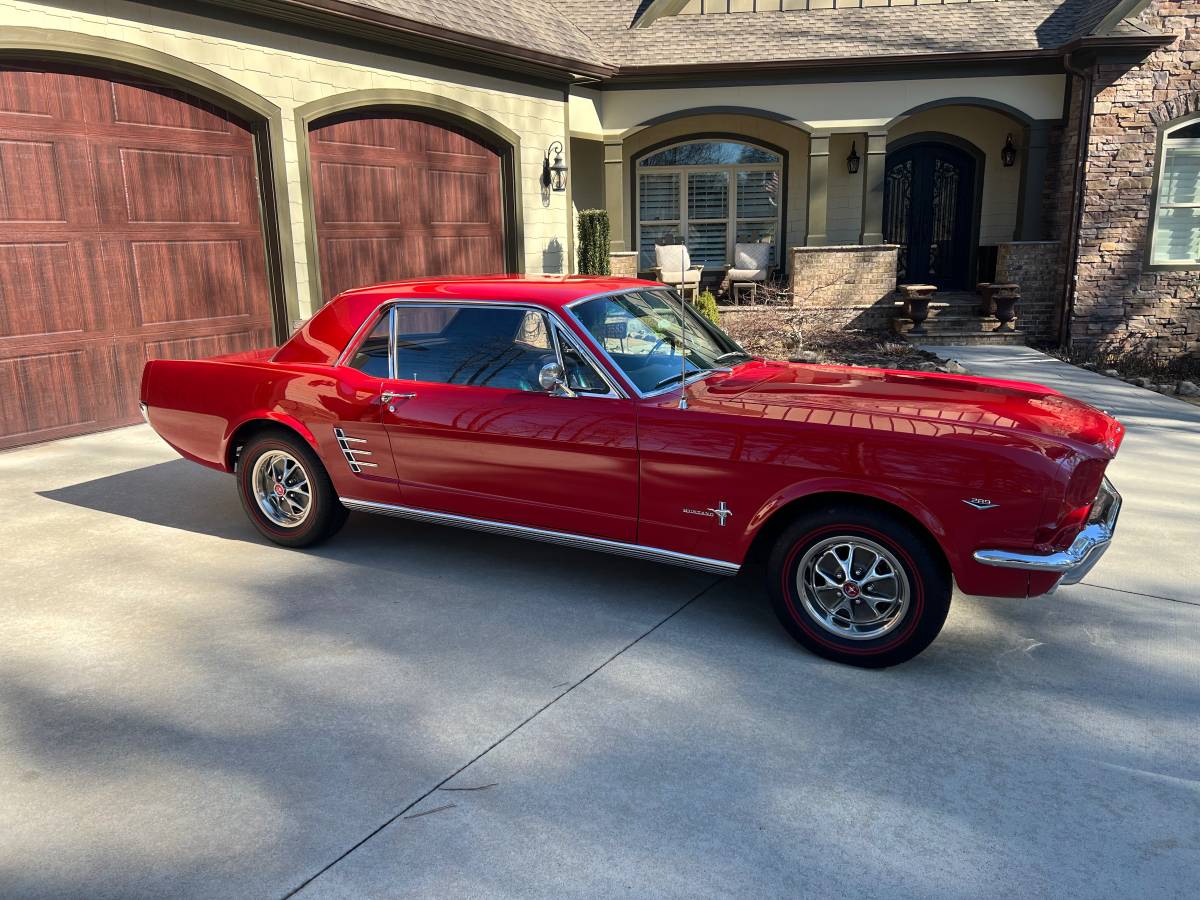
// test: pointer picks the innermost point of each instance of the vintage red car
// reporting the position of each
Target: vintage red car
(604, 413)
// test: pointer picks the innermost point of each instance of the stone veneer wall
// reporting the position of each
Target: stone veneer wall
(1034, 266)
(846, 287)
(1119, 300)
(623, 265)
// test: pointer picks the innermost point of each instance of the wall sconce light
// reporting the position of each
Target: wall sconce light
(853, 161)
(554, 176)
(1008, 155)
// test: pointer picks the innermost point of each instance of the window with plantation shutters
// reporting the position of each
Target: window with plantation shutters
(709, 195)
(1176, 239)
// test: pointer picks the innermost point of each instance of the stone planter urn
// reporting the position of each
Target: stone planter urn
(916, 304)
(999, 300)
(1002, 299)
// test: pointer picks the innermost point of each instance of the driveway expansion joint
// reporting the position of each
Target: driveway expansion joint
(440, 785)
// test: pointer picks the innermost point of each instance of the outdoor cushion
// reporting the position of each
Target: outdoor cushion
(691, 276)
(751, 257)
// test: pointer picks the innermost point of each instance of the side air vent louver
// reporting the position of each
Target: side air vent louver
(352, 455)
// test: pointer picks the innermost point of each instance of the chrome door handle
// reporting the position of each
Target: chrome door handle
(389, 396)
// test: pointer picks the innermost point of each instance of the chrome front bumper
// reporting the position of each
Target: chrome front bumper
(1085, 551)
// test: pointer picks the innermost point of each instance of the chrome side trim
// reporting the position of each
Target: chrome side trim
(1078, 559)
(352, 455)
(583, 542)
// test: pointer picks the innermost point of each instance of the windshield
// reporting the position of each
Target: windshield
(642, 332)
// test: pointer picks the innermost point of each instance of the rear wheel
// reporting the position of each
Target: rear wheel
(858, 586)
(286, 492)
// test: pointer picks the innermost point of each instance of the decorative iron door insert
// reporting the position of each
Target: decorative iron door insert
(929, 210)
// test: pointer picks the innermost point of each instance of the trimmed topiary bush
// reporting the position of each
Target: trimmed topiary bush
(593, 242)
(706, 305)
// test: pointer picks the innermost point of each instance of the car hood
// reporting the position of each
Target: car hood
(958, 399)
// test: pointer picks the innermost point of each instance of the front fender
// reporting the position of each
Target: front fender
(893, 496)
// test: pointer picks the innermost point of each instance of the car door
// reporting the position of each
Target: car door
(473, 432)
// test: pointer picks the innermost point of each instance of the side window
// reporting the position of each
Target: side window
(1176, 239)
(372, 355)
(581, 374)
(476, 345)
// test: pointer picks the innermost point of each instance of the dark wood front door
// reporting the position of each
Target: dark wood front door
(929, 210)
(130, 228)
(397, 197)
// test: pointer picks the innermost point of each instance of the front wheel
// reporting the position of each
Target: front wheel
(858, 586)
(286, 492)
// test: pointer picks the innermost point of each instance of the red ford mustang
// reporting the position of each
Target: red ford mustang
(603, 413)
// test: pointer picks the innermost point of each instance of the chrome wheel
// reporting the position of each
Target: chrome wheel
(281, 489)
(853, 587)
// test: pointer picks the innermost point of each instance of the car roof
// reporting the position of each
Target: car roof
(323, 337)
(547, 290)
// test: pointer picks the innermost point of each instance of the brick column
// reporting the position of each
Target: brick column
(818, 191)
(614, 193)
(874, 164)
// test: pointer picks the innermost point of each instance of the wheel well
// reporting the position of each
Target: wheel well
(247, 430)
(760, 547)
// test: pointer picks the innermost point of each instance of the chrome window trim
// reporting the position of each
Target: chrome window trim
(568, 308)
(616, 391)
(580, 541)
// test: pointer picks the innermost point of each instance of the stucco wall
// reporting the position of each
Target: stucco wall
(290, 71)
(834, 106)
(844, 225)
(987, 131)
(792, 140)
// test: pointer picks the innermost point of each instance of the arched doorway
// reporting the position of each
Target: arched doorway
(401, 193)
(931, 210)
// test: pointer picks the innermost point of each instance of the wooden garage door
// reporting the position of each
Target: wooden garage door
(130, 228)
(395, 197)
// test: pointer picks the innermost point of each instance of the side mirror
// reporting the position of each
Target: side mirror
(553, 380)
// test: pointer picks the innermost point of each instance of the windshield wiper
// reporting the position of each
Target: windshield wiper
(742, 353)
(671, 379)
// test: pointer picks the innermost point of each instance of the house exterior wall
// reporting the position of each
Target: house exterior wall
(1121, 300)
(833, 106)
(845, 190)
(290, 71)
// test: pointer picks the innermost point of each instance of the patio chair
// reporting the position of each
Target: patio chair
(749, 270)
(674, 267)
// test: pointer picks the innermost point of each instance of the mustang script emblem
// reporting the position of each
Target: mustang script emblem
(980, 504)
(721, 513)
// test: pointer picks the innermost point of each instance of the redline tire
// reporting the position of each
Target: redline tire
(324, 515)
(922, 586)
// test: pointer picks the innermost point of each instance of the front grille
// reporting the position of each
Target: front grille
(352, 455)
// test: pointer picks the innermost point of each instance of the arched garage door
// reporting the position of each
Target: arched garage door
(400, 197)
(130, 228)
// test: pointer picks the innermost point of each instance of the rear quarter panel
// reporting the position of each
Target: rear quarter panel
(197, 406)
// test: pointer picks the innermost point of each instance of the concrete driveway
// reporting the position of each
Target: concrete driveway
(187, 711)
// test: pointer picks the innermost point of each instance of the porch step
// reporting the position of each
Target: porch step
(954, 319)
(958, 329)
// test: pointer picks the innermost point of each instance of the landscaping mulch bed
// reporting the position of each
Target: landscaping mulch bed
(781, 332)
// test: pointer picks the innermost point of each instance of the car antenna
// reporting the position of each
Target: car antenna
(683, 404)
